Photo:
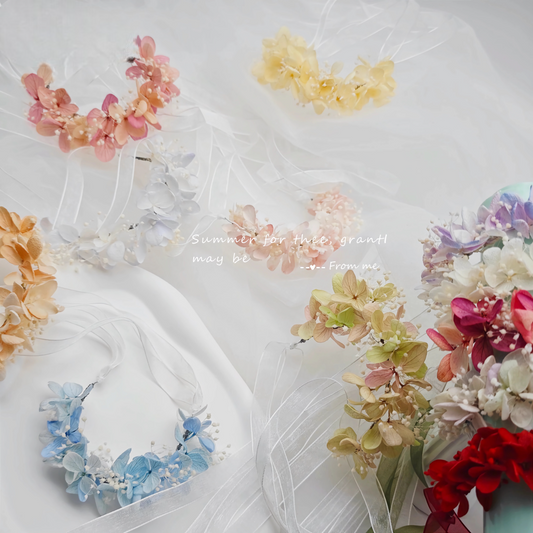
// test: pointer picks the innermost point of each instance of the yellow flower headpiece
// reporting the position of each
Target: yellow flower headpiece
(26, 302)
(289, 63)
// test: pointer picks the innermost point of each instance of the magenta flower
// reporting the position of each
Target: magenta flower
(481, 323)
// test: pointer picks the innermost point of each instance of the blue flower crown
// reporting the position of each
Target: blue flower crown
(121, 481)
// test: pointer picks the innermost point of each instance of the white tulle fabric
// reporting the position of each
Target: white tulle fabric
(453, 134)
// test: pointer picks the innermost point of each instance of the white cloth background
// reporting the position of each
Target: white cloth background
(458, 129)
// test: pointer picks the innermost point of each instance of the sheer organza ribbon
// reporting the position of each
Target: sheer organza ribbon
(288, 449)
(86, 314)
(440, 521)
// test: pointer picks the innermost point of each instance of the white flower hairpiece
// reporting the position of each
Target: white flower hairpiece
(164, 201)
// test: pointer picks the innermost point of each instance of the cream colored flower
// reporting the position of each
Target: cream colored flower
(289, 63)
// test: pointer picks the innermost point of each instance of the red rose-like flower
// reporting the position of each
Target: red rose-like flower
(522, 314)
(490, 454)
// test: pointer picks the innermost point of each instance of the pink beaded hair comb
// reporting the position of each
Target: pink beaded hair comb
(109, 128)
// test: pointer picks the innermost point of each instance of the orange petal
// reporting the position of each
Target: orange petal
(444, 372)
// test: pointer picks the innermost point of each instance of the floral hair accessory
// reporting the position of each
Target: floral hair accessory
(289, 63)
(390, 398)
(164, 202)
(27, 299)
(492, 455)
(122, 481)
(308, 245)
(109, 128)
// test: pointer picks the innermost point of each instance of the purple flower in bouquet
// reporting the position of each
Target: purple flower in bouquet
(508, 214)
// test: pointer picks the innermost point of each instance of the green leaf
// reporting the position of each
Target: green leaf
(405, 529)
(417, 453)
(385, 474)
(400, 485)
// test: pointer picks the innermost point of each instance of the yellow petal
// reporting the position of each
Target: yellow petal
(353, 378)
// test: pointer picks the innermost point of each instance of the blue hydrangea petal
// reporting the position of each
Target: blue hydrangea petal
(56, 388)
(53, 448)
(207, 443)
(199, 460)
(72, 390)
(75, 418)
(73, 488)
(122, 498)
(205, 424)
(74, 437)
(74, 462)
(54, 427)
(93, 464)
(138, 468)
(70, 477)
(119, 466)
(193, 425)
(152, 481)
(85, 488)
(104, 498)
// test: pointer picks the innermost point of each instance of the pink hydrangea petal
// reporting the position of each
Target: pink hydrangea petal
(32, 82)
(46, 97)
(64, 143)
(108, 100)
(48, 127)
(94, 118)
(134, 72)
(439, 340)
(35, 113)
(106, 151)
(147, 47)
(161, 60)
(137, 122)
(139, 136)
(378, 378)
(68, 109)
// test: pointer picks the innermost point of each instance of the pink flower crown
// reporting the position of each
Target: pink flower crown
(109, 128)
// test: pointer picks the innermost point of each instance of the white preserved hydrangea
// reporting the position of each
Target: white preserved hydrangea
(165, 200)
(508, 393)
(457, 405)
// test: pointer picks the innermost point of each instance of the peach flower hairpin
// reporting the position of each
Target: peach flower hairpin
(289, 63)
(109, 128)
(26, 300)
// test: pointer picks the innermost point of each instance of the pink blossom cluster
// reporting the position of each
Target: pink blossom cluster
(109, 128)
(308, 245)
